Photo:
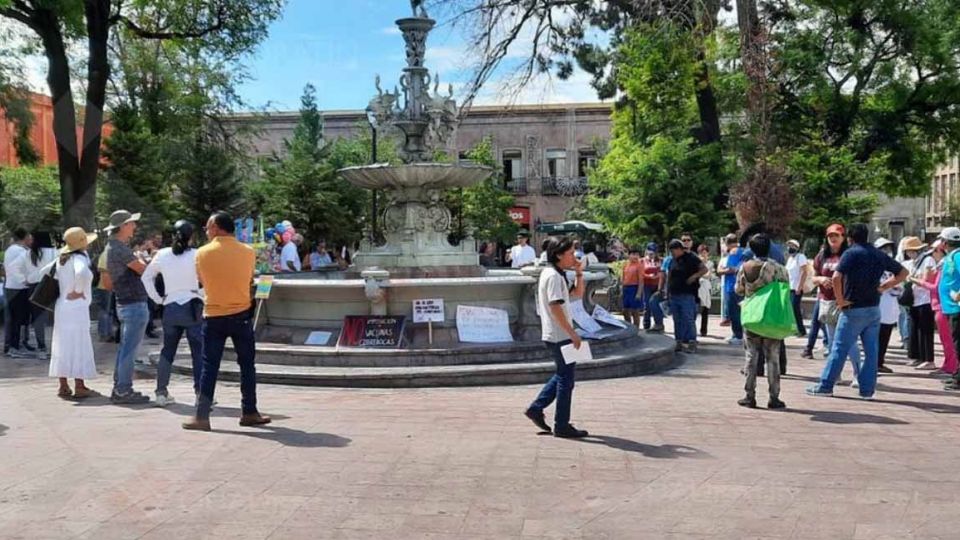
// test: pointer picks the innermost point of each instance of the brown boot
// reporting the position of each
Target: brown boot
(197, 424)
(255, 419)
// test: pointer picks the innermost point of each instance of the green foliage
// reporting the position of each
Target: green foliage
(136, 176)
(656, 180)
(486, 206)
(31, 198)
(303, 185)
(211, 182)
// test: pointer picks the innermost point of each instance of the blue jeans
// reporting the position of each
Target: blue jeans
(853, 354)
(732, 301)
(903, 324)
(104, 318)
(816, 327)
(177, 321)
(684, 309)
(559, 388)
(862, 323)
(651, 307)
(215, 332)
(133, 322)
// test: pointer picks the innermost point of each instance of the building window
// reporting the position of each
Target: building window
(896, 231)
(556, 163)
(513, 176)
(586, 161)
(951, 192)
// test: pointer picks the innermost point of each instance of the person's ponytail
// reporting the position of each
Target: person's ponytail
(182, 235)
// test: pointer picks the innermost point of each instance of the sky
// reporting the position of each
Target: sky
(340, 45)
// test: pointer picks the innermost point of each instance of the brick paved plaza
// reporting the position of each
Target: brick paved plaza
(673, 456)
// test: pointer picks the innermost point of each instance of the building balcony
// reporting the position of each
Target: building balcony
(566, 187)
(517, 186)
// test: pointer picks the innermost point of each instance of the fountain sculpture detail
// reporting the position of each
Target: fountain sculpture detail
(416, 223)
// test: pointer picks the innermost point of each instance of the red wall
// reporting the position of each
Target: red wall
(41, 134)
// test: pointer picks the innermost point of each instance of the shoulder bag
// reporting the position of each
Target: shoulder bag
(47, 291)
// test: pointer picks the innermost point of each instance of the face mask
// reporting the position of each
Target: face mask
(793, 251)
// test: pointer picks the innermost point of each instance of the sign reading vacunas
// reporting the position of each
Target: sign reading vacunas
(483, 325)
(428, 310)
(372, 331)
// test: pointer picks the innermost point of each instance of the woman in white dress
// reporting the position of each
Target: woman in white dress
(71, 354)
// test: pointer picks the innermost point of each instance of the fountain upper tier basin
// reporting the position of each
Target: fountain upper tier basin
(416, 175)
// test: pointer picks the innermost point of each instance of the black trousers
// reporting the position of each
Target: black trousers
(886, 330)
(704, 319)
(922, 329)
(18, 309)
(955, 333)
(797, 301)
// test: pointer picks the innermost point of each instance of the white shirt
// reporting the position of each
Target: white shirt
(921, 296)
(592, 259)
(180, 283)
(552, 288)
(795, 265)
(889, 307)
(34, 272)
(522, 255)
(289, 254)
(16, 278)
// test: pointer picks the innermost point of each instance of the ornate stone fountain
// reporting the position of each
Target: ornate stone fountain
(416, 223)
(416, 261)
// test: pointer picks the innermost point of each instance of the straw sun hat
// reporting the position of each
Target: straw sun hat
(77, 239)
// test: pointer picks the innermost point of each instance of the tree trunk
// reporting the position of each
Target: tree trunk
(98, 72)
(64, 113)
(706, 99)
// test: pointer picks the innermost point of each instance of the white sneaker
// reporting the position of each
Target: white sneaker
(736, 342)
(855, 384)
(163, 400)
(926, 366)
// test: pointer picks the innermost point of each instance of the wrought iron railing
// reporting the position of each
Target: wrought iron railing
(517, 186)
(566, 187)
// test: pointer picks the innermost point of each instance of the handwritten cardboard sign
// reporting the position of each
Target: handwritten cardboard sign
(372, 331)
(264, 286)
(428, 310)
(477, 324)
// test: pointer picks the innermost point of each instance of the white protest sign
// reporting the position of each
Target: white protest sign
(605, 316)
(428, 310)
(582, 318)
(483, 325)
(318, 338)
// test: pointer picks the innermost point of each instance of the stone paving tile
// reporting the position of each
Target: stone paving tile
(673, 457)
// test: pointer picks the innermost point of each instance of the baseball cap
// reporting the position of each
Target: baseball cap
(950, 234)
(652, 246)
(793, 243)
(882, 242)
(836, 228)
(675, 244)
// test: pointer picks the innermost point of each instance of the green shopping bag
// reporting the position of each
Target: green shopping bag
(769, 312)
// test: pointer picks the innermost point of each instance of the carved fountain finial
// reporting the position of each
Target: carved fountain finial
(419, 10)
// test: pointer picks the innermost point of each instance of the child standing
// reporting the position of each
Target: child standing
(631, 279)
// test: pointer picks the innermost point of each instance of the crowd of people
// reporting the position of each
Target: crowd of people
(864, 293)
(204, 293)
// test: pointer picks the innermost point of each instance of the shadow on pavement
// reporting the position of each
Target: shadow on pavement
(291, 437)
(840, 417)
(939, 408)
(914, 391)
(3, 430)
(664, 451)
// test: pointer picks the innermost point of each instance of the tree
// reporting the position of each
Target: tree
(210, 182)
(30, 198)
(484, 207)
(134, 176)
(657, 180)
(303, 185)
(219, 25)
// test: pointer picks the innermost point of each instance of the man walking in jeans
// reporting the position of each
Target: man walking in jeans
(729, 271)
(225, 268)
(683, 282)
(856, 282)
(125, 269)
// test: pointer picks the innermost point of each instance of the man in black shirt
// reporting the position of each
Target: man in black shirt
(683, 282)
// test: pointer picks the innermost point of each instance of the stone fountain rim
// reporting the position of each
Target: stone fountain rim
(424, 165)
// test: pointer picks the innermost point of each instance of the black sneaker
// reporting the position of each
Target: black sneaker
(570, 432)
(915, 363)
(808, 354)
(748, 402)
(130, 398)
(536, 416)
(952, 384)
(884, 369)
(678, 347)
(29, 348)
(776, 404)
